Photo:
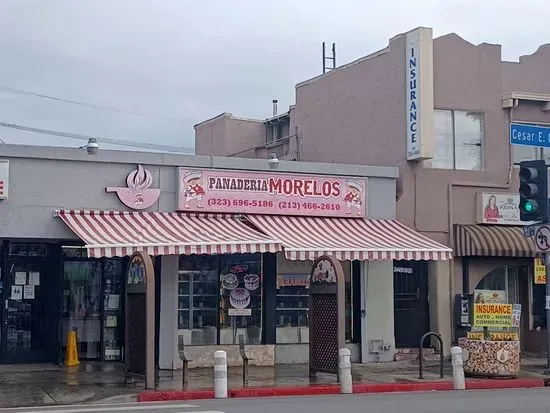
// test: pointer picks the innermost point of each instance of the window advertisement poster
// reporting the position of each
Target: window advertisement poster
(540, 271)
(239, 285)
(491, 309)
(20, 278)
(516, 315)
(16, 292)
(28, 292)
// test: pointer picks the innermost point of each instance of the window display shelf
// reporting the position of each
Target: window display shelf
(196, 288)
(210, 288)
(292, 306)
(293, 295)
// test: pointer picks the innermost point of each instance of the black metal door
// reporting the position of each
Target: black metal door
(30, 319)
(411, 309)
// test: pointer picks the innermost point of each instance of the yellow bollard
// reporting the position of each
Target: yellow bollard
(71, 356)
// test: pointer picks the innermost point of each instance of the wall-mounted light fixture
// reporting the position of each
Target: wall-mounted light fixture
(92, 146)
(273, 161)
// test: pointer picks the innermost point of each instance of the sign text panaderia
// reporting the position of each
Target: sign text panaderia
(204, 190)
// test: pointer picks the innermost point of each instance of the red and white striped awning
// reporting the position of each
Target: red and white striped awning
(307, 238)
(118, 234)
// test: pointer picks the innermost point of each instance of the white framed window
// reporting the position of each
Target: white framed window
(526, 153)
(458, 140)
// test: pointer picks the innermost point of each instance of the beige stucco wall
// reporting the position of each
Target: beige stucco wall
(439, 275)
(379, 323)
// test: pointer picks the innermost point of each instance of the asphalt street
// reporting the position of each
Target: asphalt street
(502, 401)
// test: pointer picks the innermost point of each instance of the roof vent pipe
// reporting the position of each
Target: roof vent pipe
(275, 107)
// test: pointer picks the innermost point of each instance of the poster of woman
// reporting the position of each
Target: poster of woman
(498, 208)
(491, 213)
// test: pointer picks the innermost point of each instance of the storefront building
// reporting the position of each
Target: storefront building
(440, 110)
(232, 239)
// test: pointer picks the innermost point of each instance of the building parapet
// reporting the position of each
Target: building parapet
(196, 161)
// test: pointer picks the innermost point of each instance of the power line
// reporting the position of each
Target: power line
(90, 105)
(112, 141)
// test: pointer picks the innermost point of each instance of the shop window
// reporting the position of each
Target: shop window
(198, 299)
(501, 285)
(527, 153)
(504, 278)
(293, 306)
(458, 140)
(539, 303)
(220, 299)
(92, 304)
(241, 299)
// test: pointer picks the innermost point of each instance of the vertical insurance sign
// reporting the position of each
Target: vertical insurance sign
(419, 94)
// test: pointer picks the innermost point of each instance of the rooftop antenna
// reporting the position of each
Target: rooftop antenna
(325, 58)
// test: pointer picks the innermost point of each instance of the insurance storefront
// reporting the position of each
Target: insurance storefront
(233, 242)
(497, 262)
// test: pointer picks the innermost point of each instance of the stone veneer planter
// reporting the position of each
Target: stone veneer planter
(490, 358)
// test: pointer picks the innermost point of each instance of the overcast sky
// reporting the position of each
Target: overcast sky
(178, 62)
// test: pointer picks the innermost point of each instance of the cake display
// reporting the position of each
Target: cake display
(239, 298)
(230, 281)
(252, 281)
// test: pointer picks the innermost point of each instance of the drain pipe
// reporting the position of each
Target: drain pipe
(451, 184)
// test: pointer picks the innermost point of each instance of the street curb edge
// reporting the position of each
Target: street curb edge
(478, 384)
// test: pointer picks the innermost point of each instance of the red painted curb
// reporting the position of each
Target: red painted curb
(475, 384)
(402, 387)
(480, 384)
(284, 391)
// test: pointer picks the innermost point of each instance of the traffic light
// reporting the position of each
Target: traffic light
(533, 191)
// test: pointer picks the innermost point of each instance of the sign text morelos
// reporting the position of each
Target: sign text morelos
(219, 191)
(276, 185)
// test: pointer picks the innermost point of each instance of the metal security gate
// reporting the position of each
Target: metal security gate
(410, 299)
(326, 315)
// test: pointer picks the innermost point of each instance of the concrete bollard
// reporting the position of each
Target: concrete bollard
(220, 375)
(459, 383)
(344, 364)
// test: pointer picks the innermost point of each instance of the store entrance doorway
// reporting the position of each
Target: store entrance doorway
(410, 301)
(29, 319)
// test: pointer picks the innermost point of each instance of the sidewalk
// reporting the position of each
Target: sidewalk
(34, 385)
(48, 384)
(297, 375)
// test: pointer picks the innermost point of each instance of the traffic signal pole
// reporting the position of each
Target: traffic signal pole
(546, 258)
(534, 207)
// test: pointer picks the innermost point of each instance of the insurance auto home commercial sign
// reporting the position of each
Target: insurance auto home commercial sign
(217, 191)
